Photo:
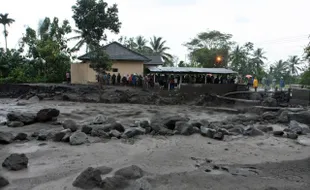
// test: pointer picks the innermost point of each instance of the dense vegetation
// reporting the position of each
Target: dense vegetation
(44, 56)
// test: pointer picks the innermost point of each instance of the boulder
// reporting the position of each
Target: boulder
(207, 132)
(99, 132)
(15, 162)
(99, 119)
(115, 133)
(15, 124)
(88, 179)
(130, 172)
(184, 128)
(169, 122)
(292, 135)
(86, 129)
(78, 138)
(145, 124)
(218, 135)
(114, 126)
(67, 136)
(48, 114)
(295, 127)
(70, 124)
(196, 130)
(3, 182)
(252, 131)
(104, 170)
(42, 136)
(283, 118)
(114, 182)
(135, 131)
(264, 128)
(21, 136)
(26, 118)
(35, 134)
(269, 116)
(237, 129)
(6, 138)
(34, 99)
(270, 102)
(164, 131)
(301, 117)
(278, 133)
(59, 136)
(255, 96)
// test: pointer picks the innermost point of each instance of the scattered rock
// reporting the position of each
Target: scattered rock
(78, 138)
(34, 99)
(99, 119)
(278, 133)
(252, 131)
(99, 132)
(197, 124)
(15, 162)
(264, 128)
(301, 117)
(130, 172)
(15, 124)
(26, 118)
(218, 135)
(145, 124)
(164, 131)
(21, 136)
(292, 135)
(283, 118)
(207, 132)
(196, 130)
(59, 136)
(184, 128)
(270, 102)
(45, 115)
(67, 136)
(238, 129)
(35, 134)
(6, 138)
(115, 182)
(224, 131)
(86, 129)
(132, 132)
(88, 179)
(42, 136)
(255, 96)
(3, 182)
(70, 124)
(115, 126)
(115, 133)
(170, 122)
(269, 116)
(295, 127)
(104, 170)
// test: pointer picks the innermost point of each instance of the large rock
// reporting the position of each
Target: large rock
(47, 114)
(15, 162)
(42, 135)
(115, 133)
(104, 170)
(78, 138)
(237, 129)
(135, 131)
(114, 182)
(184, 128)
(26, 118)
(59, 136)
(145, 124)
(270, 102)
(99, 132)
(114, 126)
(218, 135)
(278, 133)
(170, 122)
(301, 117)
(6, 138)
(207, 132)
(252, 131)
(295, 127)
(283, 118)
(86, 129)
(99, 119)
(3, 182)
(292, 136)
(264, 128)
(21, 136)
(269, 116)
(15, 124)
(130, 172)
(88, 179)
(70, 124)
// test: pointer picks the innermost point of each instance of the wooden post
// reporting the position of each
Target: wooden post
(181, 76)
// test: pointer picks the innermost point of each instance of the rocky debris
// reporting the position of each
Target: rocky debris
(114, 182)
(48, 114)
(6, 138)
(86, 129)
(59, 136)
(114, 126)
(237, 129)
(21, 136)
(301, 117)
(34, 99)
(132, 132)
(15, 162)
(269, 116)
(196, 130)
(255, 96)
(67, 136)
(115, 133)
(88, 179)
(70, 124)
(99, 131)
(295, 127)
(169, 122)
(184, 128)
(78, 138)
(252, 131)
(292, 135)
(3, 182)
(207, 132)
(15, 124)
(270, 102)
(42, 136)
(218, 135)
(283, 118)
(104, 170)
(26, 118)
(99, 119)
(278, 133)
(130, 172)
(265, 129)
(145, 124)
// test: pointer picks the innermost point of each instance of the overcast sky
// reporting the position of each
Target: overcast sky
(280, 27)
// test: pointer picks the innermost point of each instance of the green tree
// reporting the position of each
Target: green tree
(305, 77)
(158, 47)
(307, 52)
(5, 20)
(81, 41)
(280, 69)
(294, 63)
(9, 60)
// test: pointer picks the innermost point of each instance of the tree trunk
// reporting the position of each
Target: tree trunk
(5, 38)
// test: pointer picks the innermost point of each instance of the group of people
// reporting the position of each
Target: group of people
(130, 80)
(266, 83)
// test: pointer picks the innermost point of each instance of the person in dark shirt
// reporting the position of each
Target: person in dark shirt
(113, 79)
(217, 80)
(119, 78)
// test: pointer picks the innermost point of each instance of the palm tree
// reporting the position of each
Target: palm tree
(5, 20)
(280, 69)
(141, 46)
(158, 47)
(81, 41)
(258, 57)
(293, 62)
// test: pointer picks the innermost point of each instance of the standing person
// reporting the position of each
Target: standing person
(255, 84)
(108, 78)
(119, 79)
(134, 80)
(282, 84)
(124, 80)
(68, 77)
(105, 76)
(113, 79)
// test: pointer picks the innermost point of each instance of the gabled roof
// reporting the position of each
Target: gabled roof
(191, 70)
(155, 60)
(117, 51)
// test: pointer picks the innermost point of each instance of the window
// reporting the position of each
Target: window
(114, 70)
